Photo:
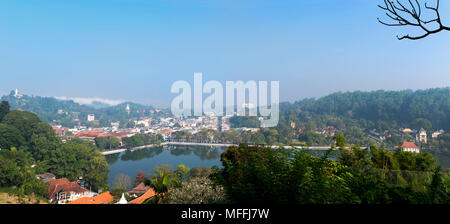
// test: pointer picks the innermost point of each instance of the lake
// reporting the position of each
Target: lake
(131, 162)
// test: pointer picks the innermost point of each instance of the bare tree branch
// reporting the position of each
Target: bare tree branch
(411, 15)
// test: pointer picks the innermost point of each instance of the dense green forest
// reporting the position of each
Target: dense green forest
(377, 109)
(30, 146)
(391, 108)
(265, 175)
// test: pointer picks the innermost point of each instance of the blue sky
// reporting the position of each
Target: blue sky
(135, 49)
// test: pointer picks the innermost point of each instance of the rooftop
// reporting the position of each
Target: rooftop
(104, 198)
(409, 145)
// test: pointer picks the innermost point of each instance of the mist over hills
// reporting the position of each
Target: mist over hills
(70, 113)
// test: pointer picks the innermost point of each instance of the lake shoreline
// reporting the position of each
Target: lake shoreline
(109, 152)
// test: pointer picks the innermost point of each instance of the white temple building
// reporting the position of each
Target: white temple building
(122, 200)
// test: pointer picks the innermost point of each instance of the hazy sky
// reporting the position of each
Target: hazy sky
(135, 49)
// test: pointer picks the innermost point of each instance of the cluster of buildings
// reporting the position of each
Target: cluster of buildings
(63, 191)
(421, 135)
(143, 125)
(328, 131)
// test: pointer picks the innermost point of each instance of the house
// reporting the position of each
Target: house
(60, 131)
(139, 189)
(62, 191)
(103, 198)
(45, 177)
(437, 133)
(410, 147)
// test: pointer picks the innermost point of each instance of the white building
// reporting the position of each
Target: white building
(91, 117)
(410, 147)
(122, 200)
(437, 133)
(17, 94)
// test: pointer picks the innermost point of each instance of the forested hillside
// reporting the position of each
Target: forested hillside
(356, 114)
(403, 108)
(69, 113)
(381, 109)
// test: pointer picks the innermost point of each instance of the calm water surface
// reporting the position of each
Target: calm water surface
(145, 160)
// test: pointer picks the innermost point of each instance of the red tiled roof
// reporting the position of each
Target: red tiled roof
(104, 198)
(150, 193)
(84, 201)
(409, 145)
(93, 133)
(63, 184)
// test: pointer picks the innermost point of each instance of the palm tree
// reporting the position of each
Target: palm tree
(163, 180)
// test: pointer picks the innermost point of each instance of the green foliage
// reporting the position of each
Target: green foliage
(360, 176)
(340, 140)
(439, 193)
(311, 138)
(25, 121)
(142, 139)
(74, 159)
(16, 170)
(110, 142)
(266, 175)
(182, 172)
(4, 109)
(201, 171)
(163, 179)
(10, 136)
(244, 121)
(415, 161)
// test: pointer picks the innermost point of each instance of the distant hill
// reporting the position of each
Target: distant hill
(407, 108)
(381, 109)
(69, 113)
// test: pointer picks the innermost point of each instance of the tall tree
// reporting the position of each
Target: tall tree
(122, 181)
(4, 109)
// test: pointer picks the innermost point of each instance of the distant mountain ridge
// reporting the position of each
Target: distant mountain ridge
(371, 109)
(70, 113)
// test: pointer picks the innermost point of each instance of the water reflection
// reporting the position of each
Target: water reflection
(112, 158)
(130, 162)
(141, 154)
(203, 152)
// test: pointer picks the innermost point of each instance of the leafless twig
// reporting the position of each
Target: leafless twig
(411, 15)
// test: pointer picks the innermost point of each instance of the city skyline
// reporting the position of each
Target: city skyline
(134, 50)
